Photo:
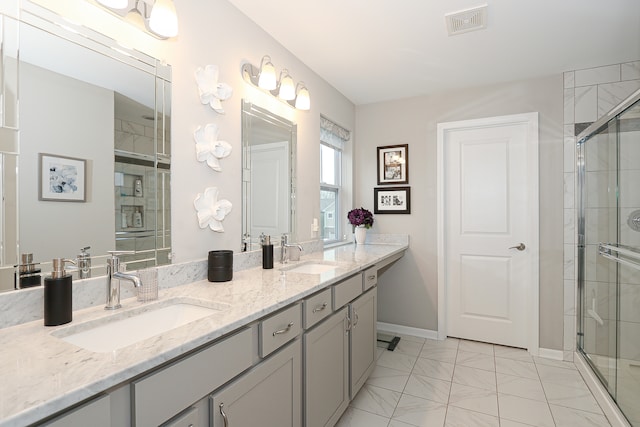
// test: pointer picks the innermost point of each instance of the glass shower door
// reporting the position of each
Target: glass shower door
(599, 293)
(628, 325)
(609, 256)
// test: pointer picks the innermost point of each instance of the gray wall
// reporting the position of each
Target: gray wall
(409, 296)
(66, 117)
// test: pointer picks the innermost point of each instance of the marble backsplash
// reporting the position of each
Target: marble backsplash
(26, 305)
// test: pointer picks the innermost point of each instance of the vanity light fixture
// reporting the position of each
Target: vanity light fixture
(287, 89)
(284, 88)
(303, 101)
(163, 19)
(267, 79)
(158, 17)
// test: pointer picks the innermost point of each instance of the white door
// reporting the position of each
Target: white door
(490, 226)
(269, 179)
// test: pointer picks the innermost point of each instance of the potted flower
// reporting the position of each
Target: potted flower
(361, 219)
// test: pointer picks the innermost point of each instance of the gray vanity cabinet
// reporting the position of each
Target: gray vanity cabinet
(363, 335)
(326, 371)
(267, 395)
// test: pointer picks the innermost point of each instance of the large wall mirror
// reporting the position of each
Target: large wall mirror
(90, 113)
(268, 176)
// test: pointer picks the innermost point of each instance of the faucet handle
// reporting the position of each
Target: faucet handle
(114, 254)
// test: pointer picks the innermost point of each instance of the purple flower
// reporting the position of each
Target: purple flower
(361, 216)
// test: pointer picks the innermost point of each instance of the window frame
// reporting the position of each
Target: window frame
(334, 188)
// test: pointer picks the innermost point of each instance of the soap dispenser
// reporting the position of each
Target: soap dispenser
(84, 263)
(267, 252)
(57, 295)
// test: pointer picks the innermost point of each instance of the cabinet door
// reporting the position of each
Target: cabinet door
(326, 350)
(266, 396)
(363, 339)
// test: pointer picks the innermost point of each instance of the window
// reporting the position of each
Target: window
(332, 144)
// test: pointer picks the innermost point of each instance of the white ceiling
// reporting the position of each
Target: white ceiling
(377, 50)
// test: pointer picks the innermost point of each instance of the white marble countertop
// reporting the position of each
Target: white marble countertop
(41, 374)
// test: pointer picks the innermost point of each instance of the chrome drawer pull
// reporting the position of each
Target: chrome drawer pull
(224, 416)
(322, 307)
(285, 330)
(373, 277)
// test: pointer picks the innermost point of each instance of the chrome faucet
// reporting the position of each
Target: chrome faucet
(284, 244)
(114, 277)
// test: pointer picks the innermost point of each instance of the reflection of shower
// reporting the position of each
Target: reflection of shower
(609, 253)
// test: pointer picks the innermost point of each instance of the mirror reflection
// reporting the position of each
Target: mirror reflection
(268, 187)
(108, 113)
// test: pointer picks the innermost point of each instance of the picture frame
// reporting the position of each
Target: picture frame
(61, 178)
(393, 164)
(392, 200)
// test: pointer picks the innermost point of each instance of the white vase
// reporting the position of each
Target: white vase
(361, 235)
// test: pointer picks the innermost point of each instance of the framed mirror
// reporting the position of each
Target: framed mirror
(82, 100)
(268, 176)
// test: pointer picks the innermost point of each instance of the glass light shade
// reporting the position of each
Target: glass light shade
(163, 19)
(287, 87)
(267, 78)
(114, 4)
(303, 100)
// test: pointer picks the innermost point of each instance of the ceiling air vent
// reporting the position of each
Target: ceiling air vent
(466, 20)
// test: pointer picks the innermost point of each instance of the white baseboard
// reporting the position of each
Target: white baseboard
(407, 330)
(551, 354)
(610, 409)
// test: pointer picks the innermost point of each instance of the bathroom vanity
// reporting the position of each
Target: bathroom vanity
(284, 347)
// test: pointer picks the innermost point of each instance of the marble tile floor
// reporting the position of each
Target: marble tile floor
(459, 383)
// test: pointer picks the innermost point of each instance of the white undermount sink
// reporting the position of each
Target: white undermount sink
(311, 268)
(127, 328)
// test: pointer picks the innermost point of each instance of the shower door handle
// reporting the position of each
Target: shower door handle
(520, 247)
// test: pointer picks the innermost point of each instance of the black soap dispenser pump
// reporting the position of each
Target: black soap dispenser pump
(58, 295)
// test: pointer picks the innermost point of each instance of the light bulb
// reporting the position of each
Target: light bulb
(267, 78)
(164, 20)
(287, 88)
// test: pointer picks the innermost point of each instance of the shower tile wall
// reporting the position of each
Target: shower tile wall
(589, 94)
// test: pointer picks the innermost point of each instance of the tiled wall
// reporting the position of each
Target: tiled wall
(588, 94)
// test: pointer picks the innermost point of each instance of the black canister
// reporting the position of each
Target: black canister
(267, 253)
(58, 295)
(220, 266)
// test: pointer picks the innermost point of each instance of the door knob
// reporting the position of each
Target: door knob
(520, 247)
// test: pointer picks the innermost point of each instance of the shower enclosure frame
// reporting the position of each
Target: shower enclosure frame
(608, 123)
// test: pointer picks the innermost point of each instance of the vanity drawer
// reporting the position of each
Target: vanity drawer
(370, 278)
(279, 329)
(161, 395)
(346, 291)
(316, 308)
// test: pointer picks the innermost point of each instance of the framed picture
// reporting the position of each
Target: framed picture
(62, 179)
(392, 200)
(393, 164)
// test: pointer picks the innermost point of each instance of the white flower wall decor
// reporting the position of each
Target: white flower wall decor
(211, 91)
(208, 148)
(211, 211)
